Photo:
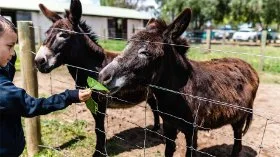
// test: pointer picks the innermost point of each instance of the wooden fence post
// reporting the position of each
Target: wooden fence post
(39, 36)
(263, 44)
(224, 38)
(30, 82)
(208, 40)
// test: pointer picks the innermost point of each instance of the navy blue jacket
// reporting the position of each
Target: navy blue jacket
(16, 103)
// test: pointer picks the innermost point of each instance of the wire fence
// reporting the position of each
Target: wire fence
(146, 129)
(262, 147)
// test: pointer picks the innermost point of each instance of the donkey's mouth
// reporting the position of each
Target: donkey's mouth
(45, 69)
(114, 90)
(129, 94)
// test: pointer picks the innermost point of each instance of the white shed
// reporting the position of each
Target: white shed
(107, 22)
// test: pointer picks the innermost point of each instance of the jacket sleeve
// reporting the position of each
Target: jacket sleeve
(14, 100)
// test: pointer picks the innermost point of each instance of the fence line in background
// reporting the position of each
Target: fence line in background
(187, 46)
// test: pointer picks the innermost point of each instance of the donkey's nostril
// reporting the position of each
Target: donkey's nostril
(40, 61)
(107, 79)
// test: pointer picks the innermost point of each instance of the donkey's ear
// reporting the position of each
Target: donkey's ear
(155, 24)
(67, 13)
(53, 16)
(150, 22)
(179, 25)
(75, 11)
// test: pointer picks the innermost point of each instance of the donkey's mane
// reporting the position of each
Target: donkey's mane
(87, 29)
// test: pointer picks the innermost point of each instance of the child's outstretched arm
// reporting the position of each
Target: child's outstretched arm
(17, 101)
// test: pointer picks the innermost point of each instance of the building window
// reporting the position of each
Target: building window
(117, 28)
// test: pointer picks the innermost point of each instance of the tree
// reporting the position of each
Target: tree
(271, 12)
(248, 11)
(222, 11)
(203, 10)
(263, 12)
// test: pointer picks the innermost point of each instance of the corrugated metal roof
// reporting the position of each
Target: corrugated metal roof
(87, 9)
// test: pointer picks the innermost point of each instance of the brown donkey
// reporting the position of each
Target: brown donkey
(146, 60)
(63, 45)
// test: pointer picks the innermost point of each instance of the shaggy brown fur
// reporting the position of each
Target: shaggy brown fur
(217, 92)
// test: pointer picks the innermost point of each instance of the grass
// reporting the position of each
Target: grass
(61, 138)
(113, 45)
(65, 139)
(271, 67)
(247, 53)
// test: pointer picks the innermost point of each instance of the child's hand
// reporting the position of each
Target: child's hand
(84, 95)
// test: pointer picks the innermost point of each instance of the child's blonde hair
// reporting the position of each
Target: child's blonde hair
(5, 25)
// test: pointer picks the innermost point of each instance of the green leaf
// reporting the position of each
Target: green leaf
(92, 105)
(93, 84)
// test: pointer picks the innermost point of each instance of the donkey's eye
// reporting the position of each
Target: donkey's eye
(64, 35)
(146, 53)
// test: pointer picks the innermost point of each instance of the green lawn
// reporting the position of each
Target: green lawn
(114, 45)
(247, 53)
(65, 139)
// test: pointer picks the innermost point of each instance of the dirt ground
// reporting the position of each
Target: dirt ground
(128, 124)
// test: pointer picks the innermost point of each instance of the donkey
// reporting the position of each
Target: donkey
(63, 46)
(151, 58)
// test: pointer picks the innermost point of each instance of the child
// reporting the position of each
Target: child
(16, 103)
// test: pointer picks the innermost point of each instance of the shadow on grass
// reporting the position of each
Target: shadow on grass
(71, 142)
(131, 139)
